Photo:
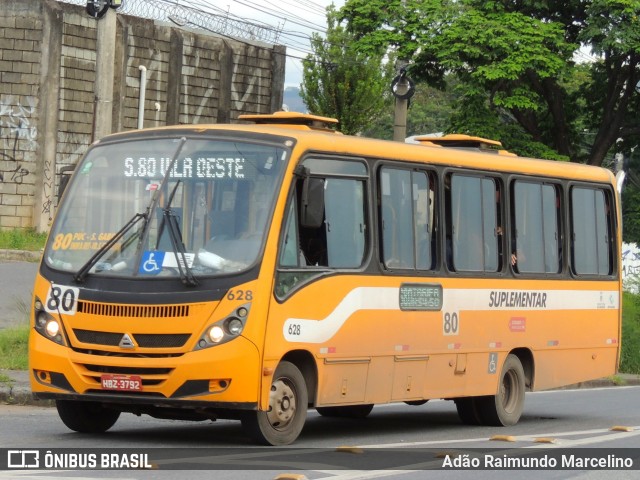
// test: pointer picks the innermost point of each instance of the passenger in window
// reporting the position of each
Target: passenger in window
(514, 252)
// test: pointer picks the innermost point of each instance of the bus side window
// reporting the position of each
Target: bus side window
(473, 235)
(536, 239)
(406, 219)
(336, 239)
(291, 255)
(591, 246)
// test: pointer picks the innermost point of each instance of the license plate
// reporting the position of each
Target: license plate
(127, 383)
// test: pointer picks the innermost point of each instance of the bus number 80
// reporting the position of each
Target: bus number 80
(450, 323)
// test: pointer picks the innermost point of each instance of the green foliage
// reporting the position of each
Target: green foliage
(13, 348)
(342, 82)
(17, 239)
(519, 57)
(631, 194)
(630, 356)
(475, 116)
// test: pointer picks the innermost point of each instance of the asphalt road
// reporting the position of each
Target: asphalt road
(395, 441)
(16, 288)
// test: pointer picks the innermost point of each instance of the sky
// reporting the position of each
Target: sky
(296, 19)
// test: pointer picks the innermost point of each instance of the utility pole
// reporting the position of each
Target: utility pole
(105, 60)
(403, 89)
(104, 13)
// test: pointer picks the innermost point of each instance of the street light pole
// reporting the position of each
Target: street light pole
(403, 89)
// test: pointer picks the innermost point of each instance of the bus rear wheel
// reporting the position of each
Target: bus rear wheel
(86, 417)
(505, 408)
(347, 411)
(288, 401)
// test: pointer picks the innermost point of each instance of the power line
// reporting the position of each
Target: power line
(290, 18)
(203, 15)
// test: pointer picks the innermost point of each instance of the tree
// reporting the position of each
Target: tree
(342, 82)
(517, 58)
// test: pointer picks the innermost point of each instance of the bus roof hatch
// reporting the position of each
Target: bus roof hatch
(456, 140)
(290, 119)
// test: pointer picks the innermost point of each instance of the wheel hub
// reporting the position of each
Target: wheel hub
(282, 404)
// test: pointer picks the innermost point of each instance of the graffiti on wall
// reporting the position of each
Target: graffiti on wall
(16, 125)
(241, 98)
(631, 267)
(194, 108)
(191, 71)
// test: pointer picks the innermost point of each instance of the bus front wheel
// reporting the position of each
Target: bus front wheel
(86, 417)
(505, 408)
(288, 401)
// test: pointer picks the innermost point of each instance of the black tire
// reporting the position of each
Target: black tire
(505, 408)
(347, 411)
(287, 413)
(468, 410)
(86, 417)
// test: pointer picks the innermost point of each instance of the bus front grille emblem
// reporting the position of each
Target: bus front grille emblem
(126, 342)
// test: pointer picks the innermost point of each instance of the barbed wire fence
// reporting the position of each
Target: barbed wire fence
(183, 15)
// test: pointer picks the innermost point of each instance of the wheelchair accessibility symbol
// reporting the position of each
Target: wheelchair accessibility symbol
(151, 263)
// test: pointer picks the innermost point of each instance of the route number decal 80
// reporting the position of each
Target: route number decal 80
(450, 323)
(62, 299)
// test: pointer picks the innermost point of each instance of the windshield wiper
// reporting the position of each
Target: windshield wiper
(170, 220)
(84, 270)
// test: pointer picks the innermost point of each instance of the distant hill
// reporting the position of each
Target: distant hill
(293, 101)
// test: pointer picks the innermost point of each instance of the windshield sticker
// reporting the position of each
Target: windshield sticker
(153, 262)
(220, 168)
(153, 186)
(80, 241)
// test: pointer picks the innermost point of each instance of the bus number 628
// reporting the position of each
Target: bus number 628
(294, 329)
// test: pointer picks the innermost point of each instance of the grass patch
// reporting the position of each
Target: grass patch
(13, 348)
(630, 356)
(6, 380)
(22, 239)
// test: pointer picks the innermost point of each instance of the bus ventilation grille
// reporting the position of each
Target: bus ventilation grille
(148, 311)
(143, 340)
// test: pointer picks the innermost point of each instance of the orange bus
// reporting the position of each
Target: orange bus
(254, 271)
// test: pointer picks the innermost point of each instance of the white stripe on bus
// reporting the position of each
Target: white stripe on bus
(454, 300)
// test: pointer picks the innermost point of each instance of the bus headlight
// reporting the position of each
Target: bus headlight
(52, 327)
(224, 330)
(46, 325)
(234, 326)
(216, 334)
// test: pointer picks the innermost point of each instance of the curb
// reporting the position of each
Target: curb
(21, 398)
(16, 390)
(20, 255)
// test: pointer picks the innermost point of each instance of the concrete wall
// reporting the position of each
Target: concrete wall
(67, 79)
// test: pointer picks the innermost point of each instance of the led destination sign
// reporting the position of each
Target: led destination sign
(420, 296)
(233, 168)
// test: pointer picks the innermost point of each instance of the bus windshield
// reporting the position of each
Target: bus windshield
(167, 207)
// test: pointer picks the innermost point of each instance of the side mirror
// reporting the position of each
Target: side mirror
(312, 208)
(65, 176)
